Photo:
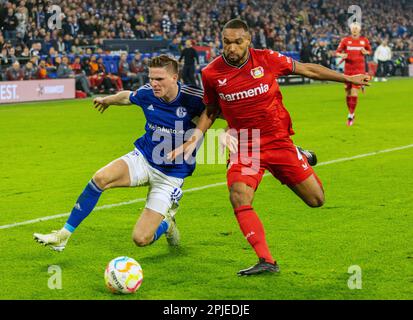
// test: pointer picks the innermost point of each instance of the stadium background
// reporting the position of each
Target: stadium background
(308, 31)
(49, 150)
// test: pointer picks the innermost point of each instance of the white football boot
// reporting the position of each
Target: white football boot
(56, 240)
(172, 234)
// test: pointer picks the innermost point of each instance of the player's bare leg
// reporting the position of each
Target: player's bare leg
(146, 226)
(310, 191)
(151, 225)
(113, 175)
(241, 196)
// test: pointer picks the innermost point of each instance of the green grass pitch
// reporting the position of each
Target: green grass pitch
(50, 150)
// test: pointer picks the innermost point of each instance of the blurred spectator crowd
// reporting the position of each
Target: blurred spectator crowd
(32, 46)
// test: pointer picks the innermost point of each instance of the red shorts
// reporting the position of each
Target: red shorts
(285, 163)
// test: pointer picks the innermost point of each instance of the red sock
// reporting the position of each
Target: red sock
(253, 231)
(351, 104)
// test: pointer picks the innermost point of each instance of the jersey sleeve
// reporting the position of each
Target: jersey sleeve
(368, 46)
(135, 97)
(199, 107)
(210, 95)
(341, 46)
(280, 64)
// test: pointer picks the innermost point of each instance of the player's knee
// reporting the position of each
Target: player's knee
(101, 180)
(239, 198)
(141, 240)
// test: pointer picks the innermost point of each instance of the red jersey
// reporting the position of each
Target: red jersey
(249, 95)
(355, 63)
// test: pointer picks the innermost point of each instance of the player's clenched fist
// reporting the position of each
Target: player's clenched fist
(359, 79)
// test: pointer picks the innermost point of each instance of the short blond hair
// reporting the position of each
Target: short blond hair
(164, 61)
(355, 25)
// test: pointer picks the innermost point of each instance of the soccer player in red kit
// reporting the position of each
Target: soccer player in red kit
(352, 50)
(242, 85)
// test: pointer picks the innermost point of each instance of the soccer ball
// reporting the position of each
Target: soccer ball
(123, 275)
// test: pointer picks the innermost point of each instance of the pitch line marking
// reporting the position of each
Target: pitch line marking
(114, 205)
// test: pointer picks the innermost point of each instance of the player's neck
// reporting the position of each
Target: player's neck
(355, 37)
(170, 96)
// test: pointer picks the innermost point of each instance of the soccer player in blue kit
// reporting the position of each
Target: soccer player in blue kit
(170, 108)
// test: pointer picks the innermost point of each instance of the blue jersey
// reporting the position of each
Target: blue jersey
(166, 125)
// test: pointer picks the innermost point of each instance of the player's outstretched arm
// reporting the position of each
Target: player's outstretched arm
(119, 99)
(318, 72)
(206, 120)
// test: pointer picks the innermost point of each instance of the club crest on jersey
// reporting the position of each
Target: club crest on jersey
(362, 43)
(257, 72)
(181, 112)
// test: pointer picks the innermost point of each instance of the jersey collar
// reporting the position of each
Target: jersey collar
(238, 67)
(177, 96)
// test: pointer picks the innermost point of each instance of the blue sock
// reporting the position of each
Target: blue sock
(84, 205)
(163, 226)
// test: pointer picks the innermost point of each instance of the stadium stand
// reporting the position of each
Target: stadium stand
(307, 30)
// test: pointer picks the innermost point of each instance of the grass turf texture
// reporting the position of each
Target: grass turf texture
(50, 150)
